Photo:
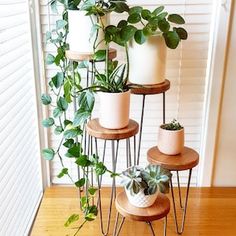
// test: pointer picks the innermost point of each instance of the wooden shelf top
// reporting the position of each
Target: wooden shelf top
(158, 210)
(188, 159)
(75, 56)
(152, 89)
(94, 129)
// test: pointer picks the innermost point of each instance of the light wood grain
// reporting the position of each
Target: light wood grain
(75, 56)
(188, 159)
(94, 129)
(158, 210)
(211, 212)
(152, 89)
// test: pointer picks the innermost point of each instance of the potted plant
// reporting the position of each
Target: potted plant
(148, 48)
(171, 138)
(143, 185)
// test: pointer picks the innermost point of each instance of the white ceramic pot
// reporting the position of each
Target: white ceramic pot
(79, 34)
(141, 200)
(148, 61)
(114, 110)
(170, 142)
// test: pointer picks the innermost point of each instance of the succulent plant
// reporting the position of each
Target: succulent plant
(148, 180)
(174, 125)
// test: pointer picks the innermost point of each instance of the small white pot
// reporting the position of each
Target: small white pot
(148, 61)
(170, 142)
(141, 200)
(114, 110)
(79, 36)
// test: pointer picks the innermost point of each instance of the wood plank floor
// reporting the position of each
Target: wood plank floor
(211, 212)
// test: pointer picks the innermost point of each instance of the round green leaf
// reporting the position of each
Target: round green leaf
(175, 18)
(164, 25)
(62, 104)
(48, 122)
(136, 9)
(134, 18)
(122, 24)
(181, 32)
(46, 99)
(128, 32)
(139, 37)
(172, 39)
(58, 130)
(48, 153)
(57, 112)
(158, 10)
(146, 14)
(80, 183)
(50, 59)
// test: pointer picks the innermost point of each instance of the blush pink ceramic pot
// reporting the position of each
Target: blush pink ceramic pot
(114, 110)
(170, 142)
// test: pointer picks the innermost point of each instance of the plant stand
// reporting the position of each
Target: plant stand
(96, 131)
(184, 161)
(79, 57)
(158, 210)
(150, 90)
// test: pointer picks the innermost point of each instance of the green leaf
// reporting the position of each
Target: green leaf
(120, 6)
(58, 130)
(69, 143)
(57, 112)
(139, 37)
(181, 32)
(63, 172)
(80, 117)
(80, 183)
(136, 9)
(62, 104)
(46, 99)
(48, 153)
(164, 25)
(48, 35)
(122, 24)
(177, 19)
(134, 18)
(146, 14)
(86, 101)
(60, 24)
(92, 191)
(128, 32)
(172, 39)
(162, 15)
(54, 6)
(83, 65)
(75, 151)
(100, 55)
(158, 10)
(67, 91)
(58, 80)
(73, 218)
(72, 133)
(67, 122)
(48, 122)
(50, 59)
(100, 168)
(90, 217)
(83, 161)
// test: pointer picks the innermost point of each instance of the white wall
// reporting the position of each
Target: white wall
(225, 157)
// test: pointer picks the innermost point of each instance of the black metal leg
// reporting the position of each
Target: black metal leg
(141, 129)
(165, 225)
(164, 107)
(117, 229)
(179, 190)
(113, 191)
(185, 204)
(150, 225)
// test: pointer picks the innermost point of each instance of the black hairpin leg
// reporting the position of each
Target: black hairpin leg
(184, 209)
(117, 228)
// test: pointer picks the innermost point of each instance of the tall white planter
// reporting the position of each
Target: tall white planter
(114, 110)
(148, 61)
(79, 36)
(141, 200)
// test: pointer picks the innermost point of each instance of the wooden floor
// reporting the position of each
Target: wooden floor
(211, 212)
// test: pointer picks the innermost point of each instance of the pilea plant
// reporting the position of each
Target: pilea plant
(173, 125)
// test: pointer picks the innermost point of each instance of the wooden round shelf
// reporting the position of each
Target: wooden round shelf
(75, 56)
(188, 159)
(94, 129)
(152, 89)
(158, 210)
